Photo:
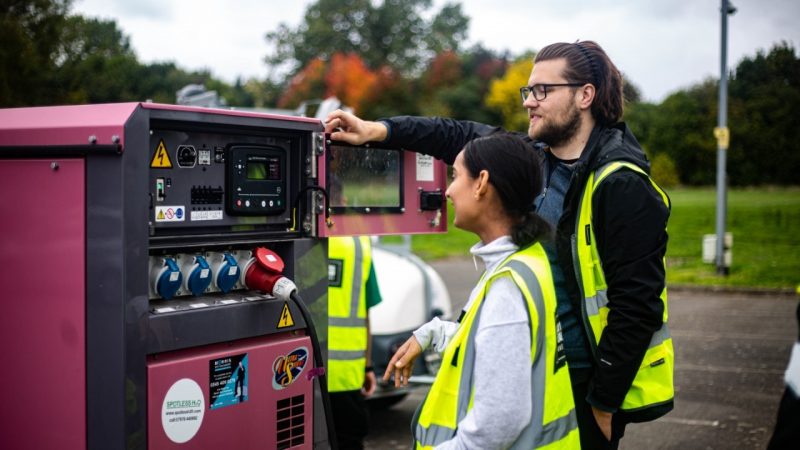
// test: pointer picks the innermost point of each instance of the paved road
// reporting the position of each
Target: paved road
(731, 350)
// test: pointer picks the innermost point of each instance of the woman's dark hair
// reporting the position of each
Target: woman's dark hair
(587, 62)
(515, 171)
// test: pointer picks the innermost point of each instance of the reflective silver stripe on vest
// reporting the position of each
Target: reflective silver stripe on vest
(345, 355)
(536, 433)
(355, 293)
(593, 305)
(352, 322)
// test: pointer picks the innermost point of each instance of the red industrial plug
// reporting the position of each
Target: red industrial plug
(265, 273)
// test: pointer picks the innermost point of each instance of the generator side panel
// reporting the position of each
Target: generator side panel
(250, 394)
(43, 322)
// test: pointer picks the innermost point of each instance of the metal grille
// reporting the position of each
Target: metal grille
(291, 416)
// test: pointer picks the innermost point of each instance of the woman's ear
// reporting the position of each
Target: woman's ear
(482, 186)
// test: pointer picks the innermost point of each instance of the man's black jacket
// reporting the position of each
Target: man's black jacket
(629, 219)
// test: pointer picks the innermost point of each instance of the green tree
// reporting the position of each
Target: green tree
(96, 63)
(682, 128)
(763, 112)
(393, 32)
(30, 32)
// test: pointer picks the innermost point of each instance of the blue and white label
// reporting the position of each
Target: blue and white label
(170, 213)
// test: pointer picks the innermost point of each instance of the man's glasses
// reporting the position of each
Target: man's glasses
(539, 91)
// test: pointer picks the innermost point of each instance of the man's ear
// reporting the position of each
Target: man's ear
(585, 96)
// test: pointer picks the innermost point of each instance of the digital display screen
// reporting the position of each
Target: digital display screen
(263, 169)
(362, 177)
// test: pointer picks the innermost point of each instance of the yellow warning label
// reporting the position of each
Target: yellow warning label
(160, 215)
(286, 317)
(161, 157)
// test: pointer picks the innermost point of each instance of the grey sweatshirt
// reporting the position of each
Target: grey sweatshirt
(502, 402)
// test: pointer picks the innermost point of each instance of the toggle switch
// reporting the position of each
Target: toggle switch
(160, 190)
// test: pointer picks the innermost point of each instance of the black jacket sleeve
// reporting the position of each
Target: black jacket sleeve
(439, 137)
(630, 220)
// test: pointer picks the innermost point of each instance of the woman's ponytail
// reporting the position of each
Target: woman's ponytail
(532, 228)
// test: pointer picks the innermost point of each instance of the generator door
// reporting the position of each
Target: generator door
(373, 190)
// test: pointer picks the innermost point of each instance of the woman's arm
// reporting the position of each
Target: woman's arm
(402, 363)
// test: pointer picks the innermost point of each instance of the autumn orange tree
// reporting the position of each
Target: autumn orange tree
(345, 76)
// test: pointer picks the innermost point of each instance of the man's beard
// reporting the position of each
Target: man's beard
(558, 134)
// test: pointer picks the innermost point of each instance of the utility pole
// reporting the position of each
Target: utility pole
(723, 140)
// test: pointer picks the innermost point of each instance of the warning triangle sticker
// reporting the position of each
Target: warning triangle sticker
(160, 215)
(161, 157)
(286, 317)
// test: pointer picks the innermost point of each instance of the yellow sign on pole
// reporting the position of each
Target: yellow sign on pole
(723, 136)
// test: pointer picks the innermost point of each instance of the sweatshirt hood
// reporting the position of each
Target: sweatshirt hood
(615, 143)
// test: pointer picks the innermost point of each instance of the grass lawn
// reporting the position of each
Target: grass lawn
(765, 223)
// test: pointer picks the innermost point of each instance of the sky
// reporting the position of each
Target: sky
(661, 46)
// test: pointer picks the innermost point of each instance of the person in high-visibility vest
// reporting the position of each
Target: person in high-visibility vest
(608, 257)
(352, 290)
(504, 381)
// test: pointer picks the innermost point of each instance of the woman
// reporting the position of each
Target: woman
(503, 383)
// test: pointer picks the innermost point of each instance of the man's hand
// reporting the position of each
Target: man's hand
(352, 129)
(603, 420)
(402, 362)
(369, 384)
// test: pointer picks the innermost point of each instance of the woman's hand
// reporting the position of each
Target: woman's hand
(352, 129)
(402, 362)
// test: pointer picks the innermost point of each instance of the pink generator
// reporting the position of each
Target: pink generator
(160, 263)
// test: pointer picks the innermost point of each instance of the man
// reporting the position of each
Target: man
(352, 290)
(611, 238)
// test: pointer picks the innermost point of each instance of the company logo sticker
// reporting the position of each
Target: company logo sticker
(286, 368)
(182, 410)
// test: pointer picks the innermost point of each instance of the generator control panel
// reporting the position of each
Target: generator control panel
(256, 180)
(223, 182)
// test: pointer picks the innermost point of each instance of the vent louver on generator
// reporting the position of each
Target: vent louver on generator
(291, 416)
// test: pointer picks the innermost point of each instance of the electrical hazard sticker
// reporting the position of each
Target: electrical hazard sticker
(286, 317)
(170, 213)
(161, 157)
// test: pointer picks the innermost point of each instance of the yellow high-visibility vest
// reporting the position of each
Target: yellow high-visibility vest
(553, 422)
(653, 384)
(349, 262)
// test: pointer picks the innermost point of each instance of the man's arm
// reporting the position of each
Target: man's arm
(436, 136)
(441, 138)
(630, 221)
